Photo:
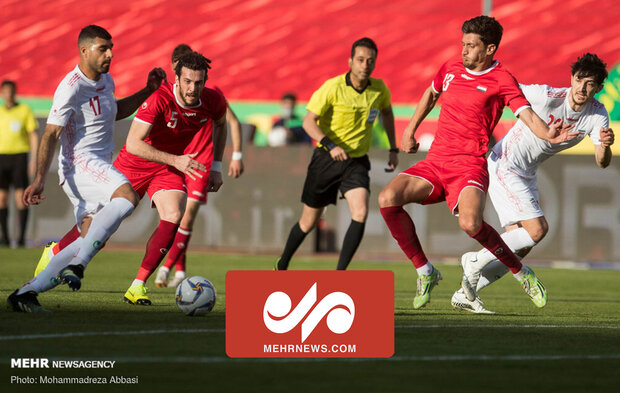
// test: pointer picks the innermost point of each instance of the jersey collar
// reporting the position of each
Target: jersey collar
(495, 64)
(347, 79)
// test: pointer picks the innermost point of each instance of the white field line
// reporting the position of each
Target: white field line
(194, 331)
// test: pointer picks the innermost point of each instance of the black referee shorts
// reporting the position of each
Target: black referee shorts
(326, 176)
(13, 171)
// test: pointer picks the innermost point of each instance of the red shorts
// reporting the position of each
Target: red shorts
(449, 176)
(197, 189)
(151, 182)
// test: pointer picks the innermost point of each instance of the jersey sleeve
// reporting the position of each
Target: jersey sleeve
(151, 109)
(31, 123)
(320, 100)
(63, 105)
(386, 100)
(512, 95)
(219, 104)
(537, 95)
(601, 121)
(437, 83)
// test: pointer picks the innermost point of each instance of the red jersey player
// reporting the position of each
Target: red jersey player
(154, 158)
(197, 188)
(475, 91)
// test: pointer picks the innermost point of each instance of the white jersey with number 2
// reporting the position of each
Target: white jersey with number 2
(520, 151)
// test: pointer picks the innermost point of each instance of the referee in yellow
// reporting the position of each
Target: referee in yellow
(18, 137)
(340, 117)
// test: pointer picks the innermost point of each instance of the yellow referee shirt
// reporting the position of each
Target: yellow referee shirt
(15, 124)
(346, 115)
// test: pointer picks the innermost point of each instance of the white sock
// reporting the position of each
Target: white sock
(46, 279)
(425, 270)
(515, 239)
(105, 223)
(179, 274)
(520, 274)
(164, 269)
(137, 282)
(491, 273)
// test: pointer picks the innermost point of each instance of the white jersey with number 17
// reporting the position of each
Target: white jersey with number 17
(87, 111)
(521, 151)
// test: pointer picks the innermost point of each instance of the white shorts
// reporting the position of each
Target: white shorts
(90, 185)
(514, 197)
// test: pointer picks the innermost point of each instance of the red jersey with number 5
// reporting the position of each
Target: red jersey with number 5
(173, 124)
(472, 104)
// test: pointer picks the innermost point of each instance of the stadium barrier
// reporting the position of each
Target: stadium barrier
(255, 212)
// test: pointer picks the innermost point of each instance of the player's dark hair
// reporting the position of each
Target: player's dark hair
(179, 51)
(90, 32)
(289, 96)
(590, 65)
(488, 28)
(365, 42)
(7, 82)
(193, 61)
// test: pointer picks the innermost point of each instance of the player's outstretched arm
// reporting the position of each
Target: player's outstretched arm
(235, 169)
(33, 193)
(388, 123)
(554, 133)
(138, 147)
(312, 128)
(602, 152)
(424, 107)
(128, 105)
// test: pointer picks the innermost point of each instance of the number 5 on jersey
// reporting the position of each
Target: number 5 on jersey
(173, 120)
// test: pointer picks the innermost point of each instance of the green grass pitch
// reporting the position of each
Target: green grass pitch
(572, 345)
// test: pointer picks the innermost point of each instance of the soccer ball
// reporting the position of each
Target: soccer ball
(195, 296)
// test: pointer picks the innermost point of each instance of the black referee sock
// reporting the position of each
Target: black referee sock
(4, 214)
(23, 222)
(352, 240)
(295, 238)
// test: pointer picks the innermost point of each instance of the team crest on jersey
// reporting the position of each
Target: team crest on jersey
(534, 203)
(144, 105)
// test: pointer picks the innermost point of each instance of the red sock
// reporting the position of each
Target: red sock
(157, 248)
(403, 231)
(176, 256)
(492, 241)
(67, 239)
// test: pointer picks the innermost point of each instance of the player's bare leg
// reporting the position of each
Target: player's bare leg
(357, 199)
(309, 218)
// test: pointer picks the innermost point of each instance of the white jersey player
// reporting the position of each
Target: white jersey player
(513, 163)
(82, 116)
